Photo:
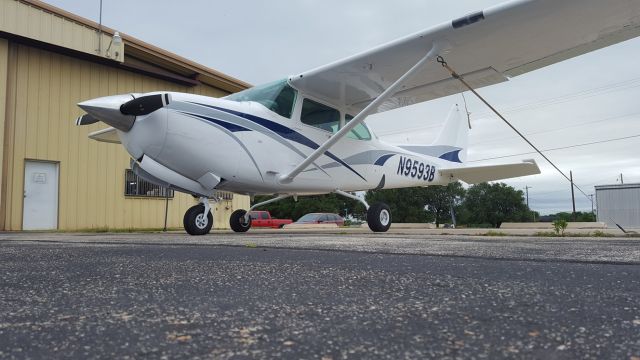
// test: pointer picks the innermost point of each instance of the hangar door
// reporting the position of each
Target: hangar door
(40, 210)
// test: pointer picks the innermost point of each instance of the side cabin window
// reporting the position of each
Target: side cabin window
(360, 132)
(277, 96)
(320, 116)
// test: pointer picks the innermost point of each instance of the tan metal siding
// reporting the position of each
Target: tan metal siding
(35, 23)
(44, 93)
(4, 65)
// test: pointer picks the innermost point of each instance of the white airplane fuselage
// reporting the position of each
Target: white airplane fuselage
(247, 147)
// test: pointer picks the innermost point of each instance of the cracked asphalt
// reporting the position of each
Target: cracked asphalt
(318, 296)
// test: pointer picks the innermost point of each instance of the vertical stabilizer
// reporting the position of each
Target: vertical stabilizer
(451, 143)
(455, 132)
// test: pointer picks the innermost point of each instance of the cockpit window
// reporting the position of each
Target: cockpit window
(320, 116)
(277, 96)
(359, 132)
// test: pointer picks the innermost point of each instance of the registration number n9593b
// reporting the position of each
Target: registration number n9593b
(416, 169)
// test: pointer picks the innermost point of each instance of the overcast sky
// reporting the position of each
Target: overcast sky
(592, 98)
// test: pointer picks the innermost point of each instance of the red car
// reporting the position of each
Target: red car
(264, 219)
(321, 218)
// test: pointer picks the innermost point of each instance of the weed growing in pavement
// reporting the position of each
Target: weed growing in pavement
(559, 226)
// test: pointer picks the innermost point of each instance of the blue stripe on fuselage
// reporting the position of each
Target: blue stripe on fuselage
(283, 131)
(227, 125)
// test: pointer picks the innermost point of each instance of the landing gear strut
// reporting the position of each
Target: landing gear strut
(198, 219)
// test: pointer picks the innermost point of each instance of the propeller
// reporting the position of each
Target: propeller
(120, 111)
(144, 105)
(86, 119)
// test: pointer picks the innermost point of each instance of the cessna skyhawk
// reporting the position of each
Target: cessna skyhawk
(306, 134)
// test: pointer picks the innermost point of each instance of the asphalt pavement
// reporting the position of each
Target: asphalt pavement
(318, 296)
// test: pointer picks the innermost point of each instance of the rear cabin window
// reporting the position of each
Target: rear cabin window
(277, 96)
(320, 116)
(360, 132)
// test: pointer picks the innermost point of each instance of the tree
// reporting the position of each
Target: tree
(567, 216)
(331, 203)
(440, 200)
(494, 204)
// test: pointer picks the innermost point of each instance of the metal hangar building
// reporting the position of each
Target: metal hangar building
(619, 204)
(52, 175)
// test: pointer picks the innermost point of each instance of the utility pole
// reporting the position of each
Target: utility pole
(621, 179)
(592, 210)
(526, 188)
(573, 197)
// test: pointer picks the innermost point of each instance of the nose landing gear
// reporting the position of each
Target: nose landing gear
(198, 219)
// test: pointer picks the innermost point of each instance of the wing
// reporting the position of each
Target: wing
(478, 174)
(486, 47)
(109, 135)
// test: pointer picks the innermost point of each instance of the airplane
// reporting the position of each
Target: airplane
(307, 135)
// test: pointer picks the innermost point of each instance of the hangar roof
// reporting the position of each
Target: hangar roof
(40, 24)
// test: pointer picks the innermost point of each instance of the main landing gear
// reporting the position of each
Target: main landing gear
(198, 219)
(378, 214)
(240, 221)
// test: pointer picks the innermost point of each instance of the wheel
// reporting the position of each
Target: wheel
(195, 222)
(379, 217)
(237, 222)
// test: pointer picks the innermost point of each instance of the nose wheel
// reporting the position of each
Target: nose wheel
(198, 219)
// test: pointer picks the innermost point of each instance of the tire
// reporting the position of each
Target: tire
(195, 222)
(236, 221)
(379, 217)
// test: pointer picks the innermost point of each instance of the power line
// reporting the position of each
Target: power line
(559, 129)
(558, 148)
(604, 89)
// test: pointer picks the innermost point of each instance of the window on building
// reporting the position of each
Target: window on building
(137, 186)
(224, 195)
(320, 116)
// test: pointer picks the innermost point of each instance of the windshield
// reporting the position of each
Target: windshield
(277, 96)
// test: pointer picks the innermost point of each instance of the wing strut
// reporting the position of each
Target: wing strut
(389, 92)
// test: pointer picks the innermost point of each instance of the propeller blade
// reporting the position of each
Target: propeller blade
(145, 105)
(86, 119)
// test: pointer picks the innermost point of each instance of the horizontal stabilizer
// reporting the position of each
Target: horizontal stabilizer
(479, 174)
(109, 135)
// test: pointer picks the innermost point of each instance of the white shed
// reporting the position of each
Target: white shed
(619, 204)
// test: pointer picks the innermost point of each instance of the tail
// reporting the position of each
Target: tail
(452, 142)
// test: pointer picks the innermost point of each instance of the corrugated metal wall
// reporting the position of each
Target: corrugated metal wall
(20, 18)
(43, 90)
(619, 205)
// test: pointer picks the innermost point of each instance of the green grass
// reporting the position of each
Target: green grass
(546, 234)
(495, 233)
